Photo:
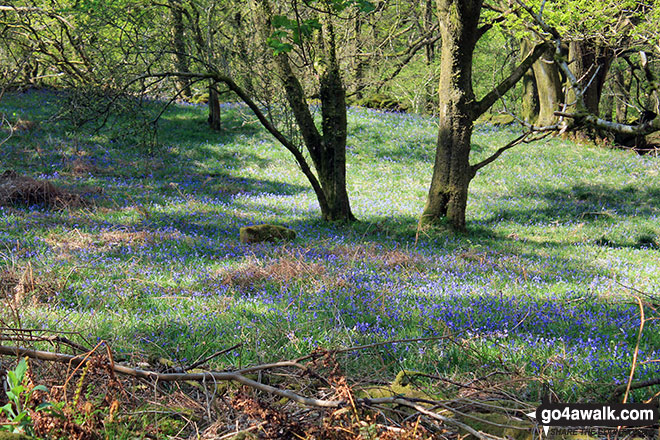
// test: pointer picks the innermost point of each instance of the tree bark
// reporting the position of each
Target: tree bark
(327, 148)
(357, 61)
(181, 63)
(621, 87)
(458, 108)
(215, 122)
(590, 65)
(448, 193)
(530, 97)
(548, 84)
(332, 166)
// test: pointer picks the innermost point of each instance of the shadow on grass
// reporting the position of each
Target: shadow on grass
(584, 202)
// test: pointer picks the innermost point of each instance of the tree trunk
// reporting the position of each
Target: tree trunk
(458, 108)
(530, 97)
(590, 65)
(622, 92)
(427, 24)
(215, 122)
(180, 53)
(327, 149)
(332, 166)
(452, 173)
(357, 61)
(548, 84)
(607, 109)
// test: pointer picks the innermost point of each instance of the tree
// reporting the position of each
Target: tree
(594, 34)
(459, 108)
(543, 92)
(452, 171)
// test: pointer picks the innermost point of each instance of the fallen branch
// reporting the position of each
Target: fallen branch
(175, 377)
(621, 389)
(240, 378)
(429, 413)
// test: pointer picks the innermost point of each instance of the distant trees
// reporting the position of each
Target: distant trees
(292, 63)
(461, 28)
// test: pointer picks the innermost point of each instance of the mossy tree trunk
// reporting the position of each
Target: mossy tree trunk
(549, 86)
(447, 197)
(458, 108)
(357, 61)
(181, 62)
(215, 121)
(327, 147)
(622, 85)
(330, 161)
(530, 97)
(590, 64)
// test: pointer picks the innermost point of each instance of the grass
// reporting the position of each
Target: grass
(556, 230)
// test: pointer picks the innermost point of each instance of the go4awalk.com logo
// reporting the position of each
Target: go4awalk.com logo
(595, 415)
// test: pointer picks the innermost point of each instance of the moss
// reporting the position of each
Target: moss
(201, 98)
(502, 119)
(10, 436)
(261, 233)
(380, 101)
(400, 386)
(526, 431)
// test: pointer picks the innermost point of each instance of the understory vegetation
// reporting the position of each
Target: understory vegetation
(562, 247)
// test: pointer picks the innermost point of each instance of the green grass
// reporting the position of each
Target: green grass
(555, 232)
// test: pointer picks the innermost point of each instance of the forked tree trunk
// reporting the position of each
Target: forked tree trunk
(590, 65)
(327, 148)
(458, 108)
(448, 193)
(332, 166)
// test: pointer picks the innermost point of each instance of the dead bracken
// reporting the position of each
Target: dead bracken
(16, 190)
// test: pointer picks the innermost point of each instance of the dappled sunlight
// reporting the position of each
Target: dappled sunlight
(155, 264)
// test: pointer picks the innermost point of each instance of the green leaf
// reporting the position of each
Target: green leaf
(279, 21)
(44, 406)
(9, 410)
(22, 415)
(21, 369)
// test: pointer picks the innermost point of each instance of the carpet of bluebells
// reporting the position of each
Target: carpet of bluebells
(562, 237)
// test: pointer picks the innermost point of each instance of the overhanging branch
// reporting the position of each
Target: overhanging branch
(487, 101)
(217, 77)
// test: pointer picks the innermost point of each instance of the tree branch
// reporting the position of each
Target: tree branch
(498, 153)
(174, 377)
(298, 155)
(582, 116)
(237, 376)
(487, 101)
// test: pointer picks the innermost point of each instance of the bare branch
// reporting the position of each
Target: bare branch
(498, 153)
(487, 101)
(217, 77)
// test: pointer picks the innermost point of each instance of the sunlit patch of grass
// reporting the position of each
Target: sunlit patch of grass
(537, 285)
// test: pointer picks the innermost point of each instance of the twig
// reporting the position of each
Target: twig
(429, 413)
(233, 376)
(379, 344)
(213, 356)
(636, 352)
(633, 386)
